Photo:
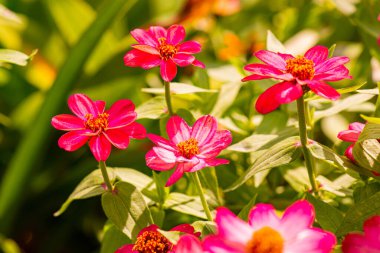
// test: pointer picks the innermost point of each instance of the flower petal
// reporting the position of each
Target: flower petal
(322, 89)
(161, 142)
(176, 34)
(355, 243)
(177, 174)
(189, 47)
(317, 54)
(158, 32)
(312, 240)
(372, 230)
(81, 105)
(336, 74)
(100, 147)
(126, 249)
(67, 122)
(137, 58)
(177, 129)
(204, 129)
(331, 64)
(221, 140)
(216, 244)
(288, 92)
(165, 155)
(155, 163)
(121, 114)
(263, 215)
(100, 105)
(117, 138)
(198, 64)
(349, 154)
(266, 71)
(349, 135)
(168, 70)
(144, 37)
(134, 130)
(188, 244)
(184, 228)
(146, 49)
(272, 59)
(71, 141)
(216, 162)
(183, 60)
(356, 126)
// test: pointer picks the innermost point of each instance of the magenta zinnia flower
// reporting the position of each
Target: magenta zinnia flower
(351, 135)
(188, 244)
(160, 47)
(189, 148)
(266, 232)
(367, 242)
(151, 240)
(299, 74)
(101, 128)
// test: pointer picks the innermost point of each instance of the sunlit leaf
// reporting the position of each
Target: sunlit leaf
(274, 44)
(185, 204)
(15, 57)
(178, 88)
(154, 108)
(113, 239)
(205, 227)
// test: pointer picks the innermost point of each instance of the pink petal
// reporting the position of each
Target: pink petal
(331, 64)
(155, 163)
(266, 71)
(288, 92)
(216, 162)
(189, 47)
(117, 138)
(67, 122)
(188, 244)
(146, 49)
(336, 74)
(286, 57)
(126, 249)
(185, 228)
(217, 244)
(71, 141)
(161, 142)
(165, 155)
(81, 105)
(349, 135)
(271, 59)
(231, 227)
(177, 129)
(348, 153)
(121, 114)
(158, 32)
(137, 58)
(372, 230)
(204, 129)
(312, 240)
(134, 130)
(356, 126)
(199, 64)
(317, 54)
(263, 215)
(100, 105)
(355, 243)
(100, 147)
(322, 89)
(221, 140)
(183, 60)
(144, 37)
(168, 70)
(177, 174)
(152, 227)
(195, 165)
(265, 103)
(176, 34)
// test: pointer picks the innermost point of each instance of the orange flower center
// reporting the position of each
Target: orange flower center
(152, 242)
(300, 67)
(96, 124)
(167, 51)
(265, 240)
(188, 148)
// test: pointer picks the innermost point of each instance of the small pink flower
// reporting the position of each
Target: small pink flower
(151, 240)
(266, 232)
(351, 135)
(160, 47)
(299, 74)
(189, 244)
(369, 242)
(189, 148)
(100, 128)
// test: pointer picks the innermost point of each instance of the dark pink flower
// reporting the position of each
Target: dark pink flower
(91, 123)
(367, 242)
(160, 47)
(299, 74)
(351, 135)
(188, 244)
(189, 148)
(266, 232)
(151, 240)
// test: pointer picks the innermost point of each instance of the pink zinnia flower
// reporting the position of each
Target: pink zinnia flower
(367, 242)
(351, 135)
(189, 148)
(299, 74)
(266, 232)
(189, 244)
(160, 47)
(151, 240)
(101, 128)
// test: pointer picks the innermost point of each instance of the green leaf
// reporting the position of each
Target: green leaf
(172, 236)
(162, 191)
(226, 98)
(332, 50)
(274, 44)
(113, 239)
(363, 192)
(126, 208)
(356, 215)
(179, 88)
(327, 216)
(283, 152)
(205, 227)
(15, 57)
(296, 177)
(272, 123)
(351, 88)
(209, 179)
(373, 120)
(243, 214)
(185, 204)
(154, 108)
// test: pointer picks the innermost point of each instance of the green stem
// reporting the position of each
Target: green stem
(202, 195)
(103, 168)
(168, 98)
(303, 136)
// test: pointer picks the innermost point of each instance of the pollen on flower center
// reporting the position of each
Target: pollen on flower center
(265, 240)
(97, 124)
(188, 148)
(167, 51)
(300, 67)
(152, 242)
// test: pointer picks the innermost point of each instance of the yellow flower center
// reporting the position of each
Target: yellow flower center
(167, 51)
(188, 148)
(300, 67)
(152, 242)
(96, 124)
(265, 240)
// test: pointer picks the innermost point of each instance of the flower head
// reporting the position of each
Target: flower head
(188, 244)
(162, 47)
(189, 148)
(151, 240)
(91, 123)
(299, 74)
(266, 232)
(351, 135)
(366, 242)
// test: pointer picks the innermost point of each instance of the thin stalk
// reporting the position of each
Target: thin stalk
(202, 195)
(168, 98)
(303, 136)
(103, 168)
